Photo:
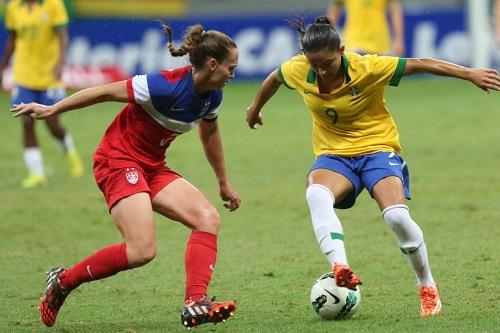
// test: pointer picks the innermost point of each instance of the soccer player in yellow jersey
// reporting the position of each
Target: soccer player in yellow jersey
(367, 27)
(356, 141)
(38, 39)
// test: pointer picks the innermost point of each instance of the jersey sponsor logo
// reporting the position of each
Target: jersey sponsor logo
(306, 92)
(205, 107)
(174, 108)
(166, 141)
(132, 176)
(354, 91)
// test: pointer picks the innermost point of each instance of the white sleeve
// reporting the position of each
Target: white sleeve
(141, 90)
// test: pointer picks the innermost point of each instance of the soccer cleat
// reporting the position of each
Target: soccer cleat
(34, 180)
(53, 298)
(344, 277)
(205, 311)
(75, 164)
(430, 303)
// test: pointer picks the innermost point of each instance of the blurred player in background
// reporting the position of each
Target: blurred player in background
(38, 38)
(356, 142)
(367, 29)
(129, 167)
(496, 16)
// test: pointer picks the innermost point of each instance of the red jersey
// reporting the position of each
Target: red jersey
(162, 106)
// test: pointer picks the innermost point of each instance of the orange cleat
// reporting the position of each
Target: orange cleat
(205, 311)
(344, 277)
(430, 303)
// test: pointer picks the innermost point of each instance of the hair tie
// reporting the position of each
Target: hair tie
(203, 33)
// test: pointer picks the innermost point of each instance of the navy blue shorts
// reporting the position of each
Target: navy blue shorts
(364, 171)
(24, 95)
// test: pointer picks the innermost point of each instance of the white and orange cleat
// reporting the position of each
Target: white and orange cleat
(430, 303)
(344, 277)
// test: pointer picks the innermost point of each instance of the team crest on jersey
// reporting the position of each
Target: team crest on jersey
(205, 107)
(354, 91)
(132, 176)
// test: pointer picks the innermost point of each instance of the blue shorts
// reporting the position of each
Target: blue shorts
(50, 96)
(364, 171)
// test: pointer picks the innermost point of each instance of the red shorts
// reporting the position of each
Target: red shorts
(120, 182)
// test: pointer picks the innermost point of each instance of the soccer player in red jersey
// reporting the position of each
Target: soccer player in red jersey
(130, 169)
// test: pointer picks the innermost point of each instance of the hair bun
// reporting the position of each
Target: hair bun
(323, 20)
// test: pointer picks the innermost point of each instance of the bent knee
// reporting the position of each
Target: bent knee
(207, 219)
(140, 253)
(397, 215)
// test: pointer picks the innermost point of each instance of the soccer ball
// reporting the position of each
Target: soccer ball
(330, 301)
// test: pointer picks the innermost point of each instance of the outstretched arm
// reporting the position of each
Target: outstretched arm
(266, 91)
(116, 92)
(211, 139)
(485, 78)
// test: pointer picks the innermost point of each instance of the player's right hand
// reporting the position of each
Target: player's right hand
(254, 117)
(35, 110)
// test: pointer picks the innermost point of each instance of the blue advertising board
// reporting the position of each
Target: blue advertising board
(139, 45)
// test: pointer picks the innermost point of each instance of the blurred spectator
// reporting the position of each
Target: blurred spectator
(496, 15)
(38, 38)
(367, 29)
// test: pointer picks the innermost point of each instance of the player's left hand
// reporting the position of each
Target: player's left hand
(485, 78)
(35, 110)
(254, 117)
(228, 193)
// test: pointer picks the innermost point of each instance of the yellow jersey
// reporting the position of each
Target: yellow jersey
(37, 48)
(366, 28)
(353, 119)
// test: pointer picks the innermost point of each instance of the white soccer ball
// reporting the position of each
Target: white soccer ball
(332, 302)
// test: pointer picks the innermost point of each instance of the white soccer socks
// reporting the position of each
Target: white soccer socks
(326, 225)
(411, 241)
(34, 161)
(67, 144)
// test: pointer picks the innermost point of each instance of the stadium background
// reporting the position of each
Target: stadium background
(111, 39)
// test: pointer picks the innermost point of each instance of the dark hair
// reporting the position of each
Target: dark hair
(200, 44)
(318, 36)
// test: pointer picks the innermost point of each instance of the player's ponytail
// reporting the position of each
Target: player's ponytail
(318, 36)
(324, 20)
(200, 44)
(186, 47)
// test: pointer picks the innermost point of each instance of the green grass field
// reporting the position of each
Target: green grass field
(268, 256)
